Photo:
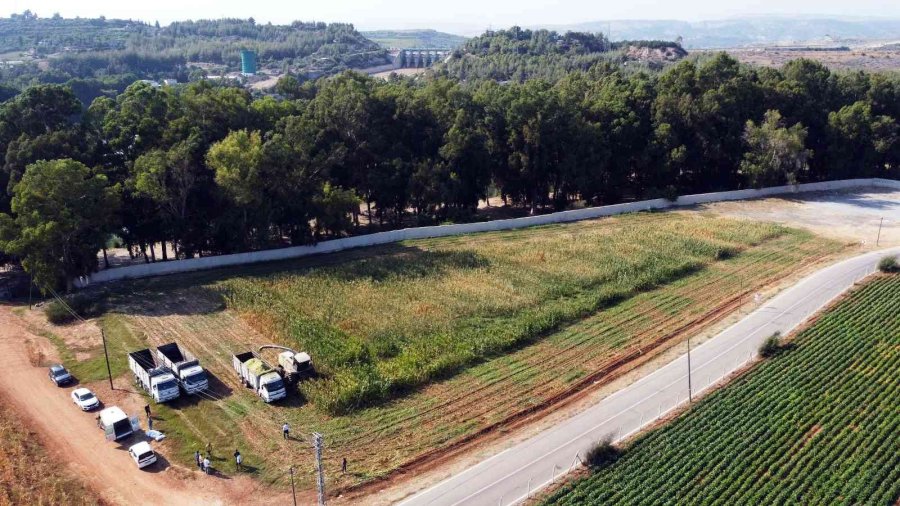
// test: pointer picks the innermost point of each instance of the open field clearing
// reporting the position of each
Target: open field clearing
(448, 286)
(815, 424)
(454, 301)
(28, 474)
(853, 214)
(871, 59)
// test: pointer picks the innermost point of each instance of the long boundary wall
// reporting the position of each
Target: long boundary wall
(204, 263)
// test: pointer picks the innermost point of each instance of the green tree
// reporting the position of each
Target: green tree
(64, 213)
(775, 154)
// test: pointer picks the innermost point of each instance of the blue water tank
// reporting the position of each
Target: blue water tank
(248, 62)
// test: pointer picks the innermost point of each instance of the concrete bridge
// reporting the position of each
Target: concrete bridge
(418, 58)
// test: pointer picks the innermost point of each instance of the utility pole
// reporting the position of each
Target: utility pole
(318, 444)
(880, 224)
(293, 490)
(690, 390)
(106, 354)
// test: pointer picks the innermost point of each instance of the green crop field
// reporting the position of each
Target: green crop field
(421, 290)
(816, 424)
(383, 324)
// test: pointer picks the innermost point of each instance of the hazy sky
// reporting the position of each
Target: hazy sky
(464, 16)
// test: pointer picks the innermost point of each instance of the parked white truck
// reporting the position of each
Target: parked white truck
(185, 366)
(157, 381)
(255, 373)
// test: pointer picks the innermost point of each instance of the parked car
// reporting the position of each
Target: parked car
(59, 375)
(85, 399)
(142, 454)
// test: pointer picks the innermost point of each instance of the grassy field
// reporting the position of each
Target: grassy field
(816, 424)
(28, 475)
(453, 302)
(566, 304)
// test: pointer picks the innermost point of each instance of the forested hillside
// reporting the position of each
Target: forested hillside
(99, 48)
(518, 54)
(211, 170)
(415, 39)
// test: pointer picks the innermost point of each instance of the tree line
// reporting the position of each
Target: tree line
(208, 169)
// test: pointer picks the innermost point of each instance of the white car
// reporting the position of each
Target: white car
(142, 454)
(85, 399)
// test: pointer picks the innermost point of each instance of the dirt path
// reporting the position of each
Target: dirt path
(72, 436)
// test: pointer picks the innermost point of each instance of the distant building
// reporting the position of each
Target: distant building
(248, 62)
(170, 82)
(151, 83)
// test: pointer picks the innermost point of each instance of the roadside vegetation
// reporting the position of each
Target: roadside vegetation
(429, 300)
(28, 474)
(815, 425)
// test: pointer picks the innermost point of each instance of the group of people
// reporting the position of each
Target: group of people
(203, 462)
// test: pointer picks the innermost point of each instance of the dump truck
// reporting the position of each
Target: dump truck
(116, 424)
(158, 381)
(293, 365)
(255, 373)
(184, 366)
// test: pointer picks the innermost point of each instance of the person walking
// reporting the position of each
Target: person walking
(344, 465)
(206, 465)
(149, 423)
(238, 461)
(147, 410)
(286, 430)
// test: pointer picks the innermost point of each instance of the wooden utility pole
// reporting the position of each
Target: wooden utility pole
(690, 389)
(880, 224)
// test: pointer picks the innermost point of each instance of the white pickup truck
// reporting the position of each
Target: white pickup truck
(157, 381)
(185, 366)
(255, 373)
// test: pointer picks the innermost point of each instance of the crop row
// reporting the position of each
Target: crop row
(817, 424)
(453, 305)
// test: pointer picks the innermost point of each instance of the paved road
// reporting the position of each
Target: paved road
(512, 475)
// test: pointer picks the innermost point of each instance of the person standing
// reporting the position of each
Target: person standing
(198, 459)
(238, 461)
(149, 423)
(344, 465)
(206, 465)
(209, 449)
(147, 410)
(286, 430)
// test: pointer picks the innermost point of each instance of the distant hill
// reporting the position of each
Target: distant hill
(739, 32)
(404, 39)
(80, 48)
(519, 54)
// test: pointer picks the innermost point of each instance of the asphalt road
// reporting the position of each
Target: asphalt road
(512, 475)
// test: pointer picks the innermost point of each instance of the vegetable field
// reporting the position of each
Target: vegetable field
(490, 391)
(403, 316)
(816, 424)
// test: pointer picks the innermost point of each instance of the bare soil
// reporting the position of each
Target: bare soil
(72, 437)
(855, 59)
(853, 215)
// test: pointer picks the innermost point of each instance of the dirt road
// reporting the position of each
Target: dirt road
(73, 437)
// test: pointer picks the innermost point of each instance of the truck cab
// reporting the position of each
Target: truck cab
(185, 366)
(193, 379)
(163, 386)
(271, 387)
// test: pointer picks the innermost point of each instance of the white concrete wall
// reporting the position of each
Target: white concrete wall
(196, 264)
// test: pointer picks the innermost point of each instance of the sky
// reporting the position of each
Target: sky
(465, 17)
